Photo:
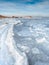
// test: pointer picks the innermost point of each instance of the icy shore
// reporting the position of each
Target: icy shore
(24, 42)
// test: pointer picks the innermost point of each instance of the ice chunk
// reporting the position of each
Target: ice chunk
(23, 48)
(41, 40)
(41, 63)
(35, 51)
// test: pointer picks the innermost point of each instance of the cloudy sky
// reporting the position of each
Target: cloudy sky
(24, 7)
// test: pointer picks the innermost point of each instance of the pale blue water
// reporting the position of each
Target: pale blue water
(31, 36)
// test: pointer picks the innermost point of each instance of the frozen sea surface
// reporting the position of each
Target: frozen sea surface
(24, 41)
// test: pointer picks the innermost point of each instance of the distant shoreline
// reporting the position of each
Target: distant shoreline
(2, 16)
(25, 17)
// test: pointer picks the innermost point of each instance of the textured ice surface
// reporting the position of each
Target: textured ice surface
(24, 41)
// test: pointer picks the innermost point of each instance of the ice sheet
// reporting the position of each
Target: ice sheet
(24, 42)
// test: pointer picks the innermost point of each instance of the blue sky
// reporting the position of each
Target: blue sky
(24, 7)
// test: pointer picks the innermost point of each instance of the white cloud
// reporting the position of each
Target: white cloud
(8, 8)
(39, 5)
(41, 8)
(7, 5)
